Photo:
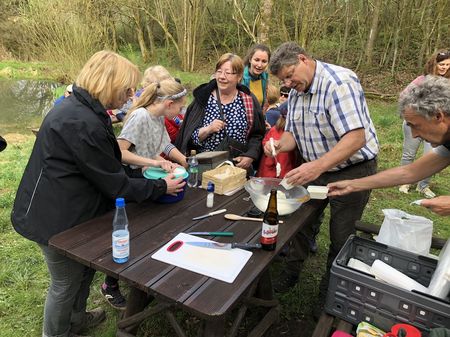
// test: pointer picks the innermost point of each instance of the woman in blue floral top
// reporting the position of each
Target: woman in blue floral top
(205, 127)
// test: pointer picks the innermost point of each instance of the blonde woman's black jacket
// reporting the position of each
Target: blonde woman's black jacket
(196, 111)
(74, 173)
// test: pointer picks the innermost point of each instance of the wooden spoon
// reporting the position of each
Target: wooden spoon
(236, 217)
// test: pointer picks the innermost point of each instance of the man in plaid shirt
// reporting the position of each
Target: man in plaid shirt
(329, 122)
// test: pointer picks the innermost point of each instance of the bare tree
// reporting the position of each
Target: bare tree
(373, 31)
(265, 25)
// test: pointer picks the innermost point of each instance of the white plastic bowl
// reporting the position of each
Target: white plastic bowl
(288, 201)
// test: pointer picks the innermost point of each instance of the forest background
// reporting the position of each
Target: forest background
(386, 42)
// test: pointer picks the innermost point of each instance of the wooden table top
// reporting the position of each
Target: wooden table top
(152, 225)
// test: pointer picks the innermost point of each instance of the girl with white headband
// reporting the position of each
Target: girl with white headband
(144, 136)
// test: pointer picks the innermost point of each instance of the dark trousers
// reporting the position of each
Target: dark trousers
(67, 295)
(344, 211)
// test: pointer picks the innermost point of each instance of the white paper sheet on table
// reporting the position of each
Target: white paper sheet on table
(224, 265)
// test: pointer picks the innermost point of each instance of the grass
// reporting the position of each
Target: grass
(25, 70)
(24, 278)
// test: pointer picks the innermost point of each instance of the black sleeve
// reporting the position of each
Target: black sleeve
(257, 133)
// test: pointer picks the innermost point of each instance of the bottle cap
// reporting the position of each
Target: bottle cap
(120, 202)
(210, 187)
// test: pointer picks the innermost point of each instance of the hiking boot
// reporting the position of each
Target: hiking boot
(404, 188)
(426, 192)
(92, 318)
(285, 282)
(114, 296)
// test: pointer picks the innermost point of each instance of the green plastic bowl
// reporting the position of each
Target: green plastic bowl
(159, 173)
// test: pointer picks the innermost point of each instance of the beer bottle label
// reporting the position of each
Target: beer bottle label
(269, 233)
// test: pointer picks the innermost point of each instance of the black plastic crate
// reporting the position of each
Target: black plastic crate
(356, 296)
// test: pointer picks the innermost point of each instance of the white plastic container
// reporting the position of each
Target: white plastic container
(318, 192)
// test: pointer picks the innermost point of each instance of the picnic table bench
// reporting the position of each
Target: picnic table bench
(171, 288)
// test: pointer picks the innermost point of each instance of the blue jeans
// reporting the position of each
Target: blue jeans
(67, 295)
(410, 148)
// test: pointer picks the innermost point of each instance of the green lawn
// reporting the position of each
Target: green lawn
(24, 279)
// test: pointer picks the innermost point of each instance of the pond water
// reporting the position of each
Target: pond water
(24, 103)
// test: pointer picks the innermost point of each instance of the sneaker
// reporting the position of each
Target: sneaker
(426, 192)
(93, 318)
(404, 188)
(114, 296)
(285, 282)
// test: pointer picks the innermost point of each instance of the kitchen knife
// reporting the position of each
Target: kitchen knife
(209, 214)
(220, 245)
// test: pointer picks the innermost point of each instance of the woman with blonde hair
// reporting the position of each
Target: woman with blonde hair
(152, 74)
(144, 136)
(224, 115)
(439, 65)
(74, 174)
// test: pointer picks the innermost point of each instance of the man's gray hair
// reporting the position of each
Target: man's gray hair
(285, 55)
(428, 97)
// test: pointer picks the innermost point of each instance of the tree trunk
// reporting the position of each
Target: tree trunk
(373, 32)
(266, 16)
(140, 35)
(343, 44)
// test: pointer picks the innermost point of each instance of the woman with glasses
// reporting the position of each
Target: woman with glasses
(255, 75)
(224, 115)
(438, 64)
(144, 136)
(75, 174)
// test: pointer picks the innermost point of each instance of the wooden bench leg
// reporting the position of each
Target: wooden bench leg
(136, 302)
(344, 326)
(214, 328)
(173, 322)
(270, 317)
(324, 325)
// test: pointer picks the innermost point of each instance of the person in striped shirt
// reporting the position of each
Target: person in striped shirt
(328, 121)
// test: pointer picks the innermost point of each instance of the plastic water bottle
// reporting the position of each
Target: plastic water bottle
(120, 234)
(193, 170)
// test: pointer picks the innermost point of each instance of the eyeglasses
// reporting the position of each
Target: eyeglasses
(444, 53)
(285, 94)
(289, 76)
(220, 72)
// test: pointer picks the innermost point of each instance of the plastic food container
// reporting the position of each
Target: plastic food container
(288, 201)
(159, 173)
(318, 192)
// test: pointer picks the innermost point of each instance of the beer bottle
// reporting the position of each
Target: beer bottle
(269, 231)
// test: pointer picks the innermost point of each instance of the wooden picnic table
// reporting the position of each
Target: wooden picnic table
(172, 288)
